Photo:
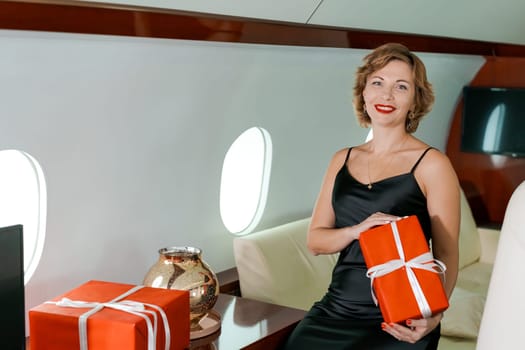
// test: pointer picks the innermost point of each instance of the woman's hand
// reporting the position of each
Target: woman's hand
(376, 219)
(414, 330)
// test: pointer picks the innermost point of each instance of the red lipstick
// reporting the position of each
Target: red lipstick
(384, 108)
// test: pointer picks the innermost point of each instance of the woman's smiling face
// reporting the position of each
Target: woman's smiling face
(389, 93)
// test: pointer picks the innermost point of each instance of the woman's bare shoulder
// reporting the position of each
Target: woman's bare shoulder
(436, 170)
(435, 159)
(340, 156)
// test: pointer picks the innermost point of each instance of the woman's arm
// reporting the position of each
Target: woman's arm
(440, 184)
(322, 237)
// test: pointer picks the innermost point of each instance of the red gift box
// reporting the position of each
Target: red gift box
(57, 324)
(404, 276)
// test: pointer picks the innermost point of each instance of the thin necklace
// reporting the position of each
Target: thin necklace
(369, 186)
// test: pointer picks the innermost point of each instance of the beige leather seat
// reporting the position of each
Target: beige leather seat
(276, 266)
(502, 321)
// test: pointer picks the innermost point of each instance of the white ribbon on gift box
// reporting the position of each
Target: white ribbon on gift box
(130, 306)
(424, 261)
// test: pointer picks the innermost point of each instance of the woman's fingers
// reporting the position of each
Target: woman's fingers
(403, 333)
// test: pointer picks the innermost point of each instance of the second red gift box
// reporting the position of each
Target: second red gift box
(116, 316)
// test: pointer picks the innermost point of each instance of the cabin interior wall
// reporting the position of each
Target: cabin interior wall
(131, 134)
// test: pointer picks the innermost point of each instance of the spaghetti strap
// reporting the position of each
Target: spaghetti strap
(347, 155)
(419, 160)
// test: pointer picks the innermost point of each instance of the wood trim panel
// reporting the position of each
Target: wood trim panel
(98, 18)
(488, 180)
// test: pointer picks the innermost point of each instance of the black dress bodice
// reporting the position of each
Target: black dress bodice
(349, 294)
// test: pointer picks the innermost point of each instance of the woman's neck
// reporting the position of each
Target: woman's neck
(388, 142)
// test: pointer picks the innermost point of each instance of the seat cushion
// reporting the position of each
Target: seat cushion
(452, 343)
(463, 317)
(469, 240)
(275, 266)
(475, 278)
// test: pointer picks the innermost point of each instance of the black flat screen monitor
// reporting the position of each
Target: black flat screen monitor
(12, 299)
(493, 121)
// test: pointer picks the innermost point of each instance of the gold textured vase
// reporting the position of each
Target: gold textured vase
(182, 268)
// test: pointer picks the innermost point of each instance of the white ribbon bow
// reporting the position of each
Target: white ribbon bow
(424, 261)
(129, 306)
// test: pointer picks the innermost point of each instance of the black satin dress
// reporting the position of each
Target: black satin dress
(346, 317)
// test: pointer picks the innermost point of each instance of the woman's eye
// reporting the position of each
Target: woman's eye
(402, 87)
(376, 83)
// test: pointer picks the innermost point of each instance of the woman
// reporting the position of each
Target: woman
(393, 175)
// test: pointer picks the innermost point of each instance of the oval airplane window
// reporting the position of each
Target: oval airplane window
(23, 201)
(244, 180)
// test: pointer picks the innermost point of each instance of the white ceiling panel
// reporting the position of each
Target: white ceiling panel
(276, 10)
(499, 21)
(486, 20)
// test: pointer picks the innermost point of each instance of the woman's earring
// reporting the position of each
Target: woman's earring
(410, 118)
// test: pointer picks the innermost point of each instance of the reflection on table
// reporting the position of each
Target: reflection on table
(249, 324)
